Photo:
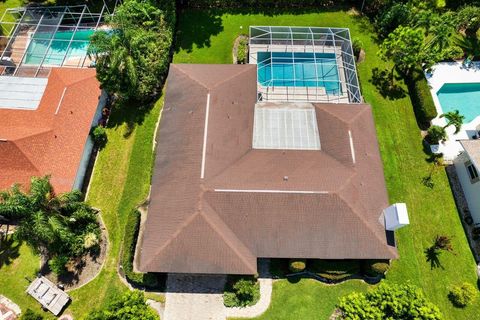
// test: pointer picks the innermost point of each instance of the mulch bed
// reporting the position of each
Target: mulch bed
(83, 269)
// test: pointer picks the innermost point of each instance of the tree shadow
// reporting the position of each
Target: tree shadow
(384, 81)
(131, 113)
(196, 27)
(9, 250)
(432, 255)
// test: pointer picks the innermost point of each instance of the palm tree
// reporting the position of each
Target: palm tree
(454, 118)
(49, 223)
(470, 45)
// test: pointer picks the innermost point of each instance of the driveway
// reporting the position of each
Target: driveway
(194, 297)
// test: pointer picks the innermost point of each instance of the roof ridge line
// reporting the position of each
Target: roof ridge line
(174, 236)
(230, 165)
(234, 249)
(26, 137)
(230, 78)
(189, 77)
(367, 225)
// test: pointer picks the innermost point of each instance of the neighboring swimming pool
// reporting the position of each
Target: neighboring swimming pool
(464, 97)
(299, 69)
(59, 47)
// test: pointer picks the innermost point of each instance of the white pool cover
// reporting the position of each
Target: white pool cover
(285, 126)
(21, 92)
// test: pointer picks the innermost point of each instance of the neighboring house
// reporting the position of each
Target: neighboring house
(45, 125)
(275, 159)
(467, 165)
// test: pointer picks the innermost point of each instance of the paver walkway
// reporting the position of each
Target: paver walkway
(201, 297)
(194, 297)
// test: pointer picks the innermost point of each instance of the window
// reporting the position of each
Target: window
(472, 172)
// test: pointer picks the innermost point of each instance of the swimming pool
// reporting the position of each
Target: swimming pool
(59, 48)
(464, 97)
(299, 69)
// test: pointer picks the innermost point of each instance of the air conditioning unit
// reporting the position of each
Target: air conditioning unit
(396, 216)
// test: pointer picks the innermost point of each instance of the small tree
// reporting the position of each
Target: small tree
(99, 136)
(443, 242)
(468, 19)
(404, 47)
(130, 306)
(435, 134)
(462, 295)
(454, 118)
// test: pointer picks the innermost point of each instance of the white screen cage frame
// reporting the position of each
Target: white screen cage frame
(19, 26)
(271, 39)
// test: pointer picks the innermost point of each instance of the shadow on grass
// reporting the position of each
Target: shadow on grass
(9, 250)
(131, 113)
(384, 81)
(433, 256)
(196, 26)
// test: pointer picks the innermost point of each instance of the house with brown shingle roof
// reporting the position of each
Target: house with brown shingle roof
(237, 179)
(45, 125)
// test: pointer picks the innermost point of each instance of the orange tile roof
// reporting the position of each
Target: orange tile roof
(44, 141)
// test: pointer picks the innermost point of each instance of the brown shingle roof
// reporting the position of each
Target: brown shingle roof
(40, 142)
(243, 207)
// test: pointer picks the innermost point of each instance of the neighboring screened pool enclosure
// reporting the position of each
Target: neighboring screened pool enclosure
(304, 64)
(35, 38)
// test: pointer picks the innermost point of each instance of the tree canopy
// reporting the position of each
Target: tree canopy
(393, 301)
(132, 58)
(51, 224)
(130, 306)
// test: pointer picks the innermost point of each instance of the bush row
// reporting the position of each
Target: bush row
(422, 100)
(128, 253)
(333, 270)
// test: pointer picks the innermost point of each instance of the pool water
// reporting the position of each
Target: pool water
(59, 47)
(464, 97)
(287, 69)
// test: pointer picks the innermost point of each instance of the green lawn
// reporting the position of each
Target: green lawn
(207, 37)
(120, 182)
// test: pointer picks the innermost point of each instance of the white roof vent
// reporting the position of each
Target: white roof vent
(396, 216)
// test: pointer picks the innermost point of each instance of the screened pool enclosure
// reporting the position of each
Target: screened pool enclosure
(304, 64)
(35, 38)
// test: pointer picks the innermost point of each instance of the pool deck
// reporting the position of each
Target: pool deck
(453, 72)
(317, 94)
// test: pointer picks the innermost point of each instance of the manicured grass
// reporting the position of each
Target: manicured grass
(120, 182)
(207, 37)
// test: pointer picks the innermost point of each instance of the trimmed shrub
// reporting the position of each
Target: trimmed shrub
(99, 136)
(357, 46)
(128, 253)
(241, 292)
(435, 134)
(335, 270)
(375, 267)
(297, 265)
(422, 100)
(57, 265)
(242, 50)
(462, 295)
(29, 314)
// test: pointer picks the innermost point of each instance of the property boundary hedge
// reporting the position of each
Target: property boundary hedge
(128, 253)
(422, 100)
(261, 3)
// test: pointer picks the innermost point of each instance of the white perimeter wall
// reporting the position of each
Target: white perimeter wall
(87, 150)
(471, 191)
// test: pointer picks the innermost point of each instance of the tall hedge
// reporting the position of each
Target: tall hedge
(261, 3)
(128, 253)
(422, 100)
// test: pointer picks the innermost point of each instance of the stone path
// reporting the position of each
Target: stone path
(260, 307)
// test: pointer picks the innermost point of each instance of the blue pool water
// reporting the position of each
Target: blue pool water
(59, 47)
(298, 69)
(464, 97)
